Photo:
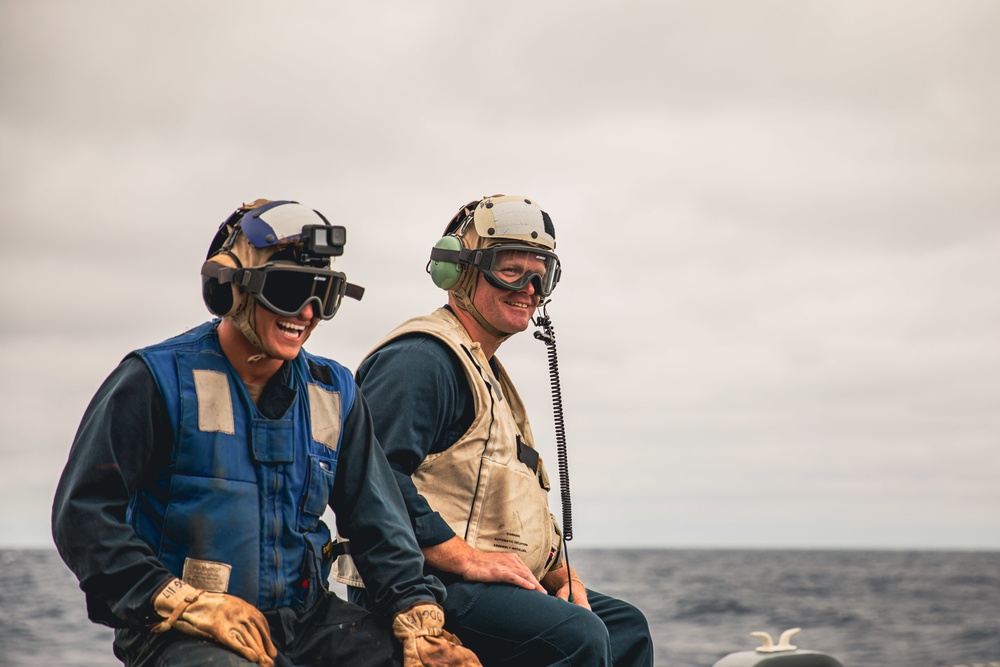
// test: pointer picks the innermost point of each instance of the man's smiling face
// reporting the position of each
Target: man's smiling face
(282, 336)
(508, 310)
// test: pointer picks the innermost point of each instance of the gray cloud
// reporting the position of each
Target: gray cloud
(777, 324)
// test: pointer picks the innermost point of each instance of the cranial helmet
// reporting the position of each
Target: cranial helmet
(277, 254)
(481, 232)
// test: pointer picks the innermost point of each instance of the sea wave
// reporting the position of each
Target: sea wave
(867, 608)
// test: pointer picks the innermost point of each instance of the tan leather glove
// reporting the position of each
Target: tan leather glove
(425, 641)
(229, 620)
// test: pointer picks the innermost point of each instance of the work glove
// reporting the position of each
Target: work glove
(226, 619)
(425, 641)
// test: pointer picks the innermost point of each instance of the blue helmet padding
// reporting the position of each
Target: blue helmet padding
(278, 221)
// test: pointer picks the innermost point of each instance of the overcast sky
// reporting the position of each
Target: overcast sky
(779, 223)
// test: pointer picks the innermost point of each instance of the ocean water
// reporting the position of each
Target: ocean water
(867, 608)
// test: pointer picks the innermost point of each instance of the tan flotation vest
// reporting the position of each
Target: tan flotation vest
(490, 486)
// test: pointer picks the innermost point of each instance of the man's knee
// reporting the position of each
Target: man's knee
(583, 634)
(634, 620)
(631, 642)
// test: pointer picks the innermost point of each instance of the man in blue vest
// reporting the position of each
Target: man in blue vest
(190, 507)
(457, 435)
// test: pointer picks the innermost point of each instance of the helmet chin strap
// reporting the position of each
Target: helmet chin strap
(464, 301)
(244, 319)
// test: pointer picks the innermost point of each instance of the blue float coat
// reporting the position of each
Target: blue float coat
(125, 445)
(251, 497)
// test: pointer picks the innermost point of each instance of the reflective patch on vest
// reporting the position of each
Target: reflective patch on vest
(215, 405)
(207, 575)
(324, 411)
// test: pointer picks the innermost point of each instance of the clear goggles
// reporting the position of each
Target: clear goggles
(286, 289)
(514, 266)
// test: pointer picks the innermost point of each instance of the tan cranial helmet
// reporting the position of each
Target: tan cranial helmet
(495, 223)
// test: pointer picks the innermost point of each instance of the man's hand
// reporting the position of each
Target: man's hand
(559, 582)
(457, 557)
(229, 620)
(425, 641)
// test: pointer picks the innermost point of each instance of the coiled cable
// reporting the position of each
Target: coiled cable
(548, 336)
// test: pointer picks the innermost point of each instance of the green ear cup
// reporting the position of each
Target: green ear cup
(446, 274)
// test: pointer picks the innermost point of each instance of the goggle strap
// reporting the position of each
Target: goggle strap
(227, 274)
(354, 291)
(224, 274)
(453, 256)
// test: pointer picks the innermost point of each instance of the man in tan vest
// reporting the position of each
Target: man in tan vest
(459, 441)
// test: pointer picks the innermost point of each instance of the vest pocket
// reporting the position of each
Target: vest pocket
(543, 476)
(322, 472)
(316, 567)
(513, 515)
(272, 440)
